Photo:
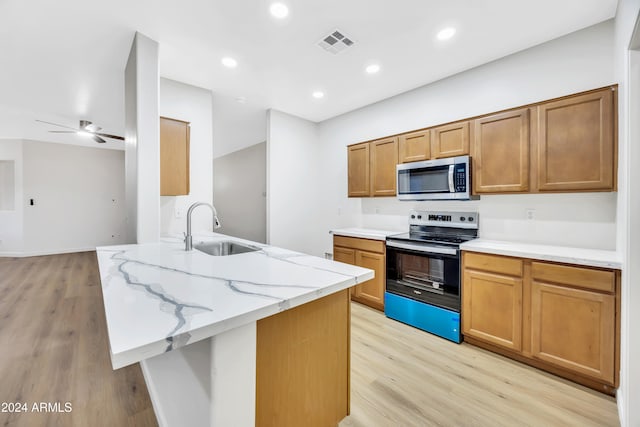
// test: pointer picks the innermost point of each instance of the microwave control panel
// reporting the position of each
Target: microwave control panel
(460, 178)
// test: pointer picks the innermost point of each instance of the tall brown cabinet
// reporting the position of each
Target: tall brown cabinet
(174, 157)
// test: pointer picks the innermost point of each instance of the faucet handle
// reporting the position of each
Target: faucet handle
(184, 236)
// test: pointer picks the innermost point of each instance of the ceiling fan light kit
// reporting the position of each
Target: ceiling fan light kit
(85, 128)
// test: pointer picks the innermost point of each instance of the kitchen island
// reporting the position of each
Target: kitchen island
(256, 338)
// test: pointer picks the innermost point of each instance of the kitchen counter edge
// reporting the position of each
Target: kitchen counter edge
(562, 254)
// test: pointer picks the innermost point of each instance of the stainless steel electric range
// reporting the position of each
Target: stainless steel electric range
(423, 271)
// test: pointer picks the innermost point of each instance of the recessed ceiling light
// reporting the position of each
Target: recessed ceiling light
(318, 94)
(372, 69)
(279, 10)
(241, 99)
(229, 62)
(446, 33)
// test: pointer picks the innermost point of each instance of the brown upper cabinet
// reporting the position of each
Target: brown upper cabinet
(450, 140)
(174, 157)
(501, 152)
(372, 168)
(358, 167)
(384, 158)
(561, 145)
(575, 149)
(414, 146)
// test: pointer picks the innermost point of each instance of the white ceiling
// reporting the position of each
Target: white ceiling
(67, 58)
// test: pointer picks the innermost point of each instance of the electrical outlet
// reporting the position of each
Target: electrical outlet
(179, 213)
(377, 210)
(530, 214)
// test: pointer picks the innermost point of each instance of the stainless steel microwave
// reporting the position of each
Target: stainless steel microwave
(441, 179)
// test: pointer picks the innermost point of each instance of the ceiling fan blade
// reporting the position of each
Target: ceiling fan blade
(98, 139)
(55, 124)
(107, 135)
(63, 131)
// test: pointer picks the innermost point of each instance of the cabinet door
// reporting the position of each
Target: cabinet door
(573, 329)
(358, 170)
(501, 153)
(575, 146)
(384, 158)
(348, 256)
(492, 308)
(450, 140)
(414, 147)
(371, 292)
(174, 157)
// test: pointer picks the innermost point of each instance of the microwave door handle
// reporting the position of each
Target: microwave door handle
(452, 188)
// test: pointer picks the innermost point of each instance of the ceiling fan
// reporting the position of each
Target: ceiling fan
(86, 128)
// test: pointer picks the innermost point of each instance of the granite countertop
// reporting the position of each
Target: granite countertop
(158, 297)
(365, 233)
(568, 255)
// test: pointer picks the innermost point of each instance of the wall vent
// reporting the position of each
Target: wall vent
(335, 42)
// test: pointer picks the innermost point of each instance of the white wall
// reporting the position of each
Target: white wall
(7, 185)
(239, 192)
(627, 66)
(237, 125)
(11, 222)
(194, 105)
(293, 177)
(142, 144)
(577, 62)
(78, 195)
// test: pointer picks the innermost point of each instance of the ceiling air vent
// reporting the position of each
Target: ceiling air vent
(335, 42)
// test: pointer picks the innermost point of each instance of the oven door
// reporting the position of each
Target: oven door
(425, 273)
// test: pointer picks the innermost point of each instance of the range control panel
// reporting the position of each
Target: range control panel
(444, 219)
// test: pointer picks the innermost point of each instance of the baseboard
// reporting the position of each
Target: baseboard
(620, 404)
(46, 252)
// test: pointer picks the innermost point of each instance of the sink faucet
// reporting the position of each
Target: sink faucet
(188, 239)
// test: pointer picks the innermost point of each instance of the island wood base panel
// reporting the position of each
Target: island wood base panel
(302, 367)
(598, 386)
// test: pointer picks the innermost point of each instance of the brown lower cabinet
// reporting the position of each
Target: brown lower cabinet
(365, 253)
(561, 318)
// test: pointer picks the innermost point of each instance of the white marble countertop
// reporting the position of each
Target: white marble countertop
(568, 255)
(158, 297)
(365, 233)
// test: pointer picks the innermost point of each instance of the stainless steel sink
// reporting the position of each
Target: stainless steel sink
(224, 248)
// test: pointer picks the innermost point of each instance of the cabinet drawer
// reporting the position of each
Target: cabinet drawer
(494, 263)
(588, 278)
(357, 243)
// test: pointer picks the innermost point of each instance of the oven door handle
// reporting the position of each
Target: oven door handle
(422, 248)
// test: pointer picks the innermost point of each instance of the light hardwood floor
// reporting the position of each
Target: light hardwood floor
(55, 349)
(401, 376)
